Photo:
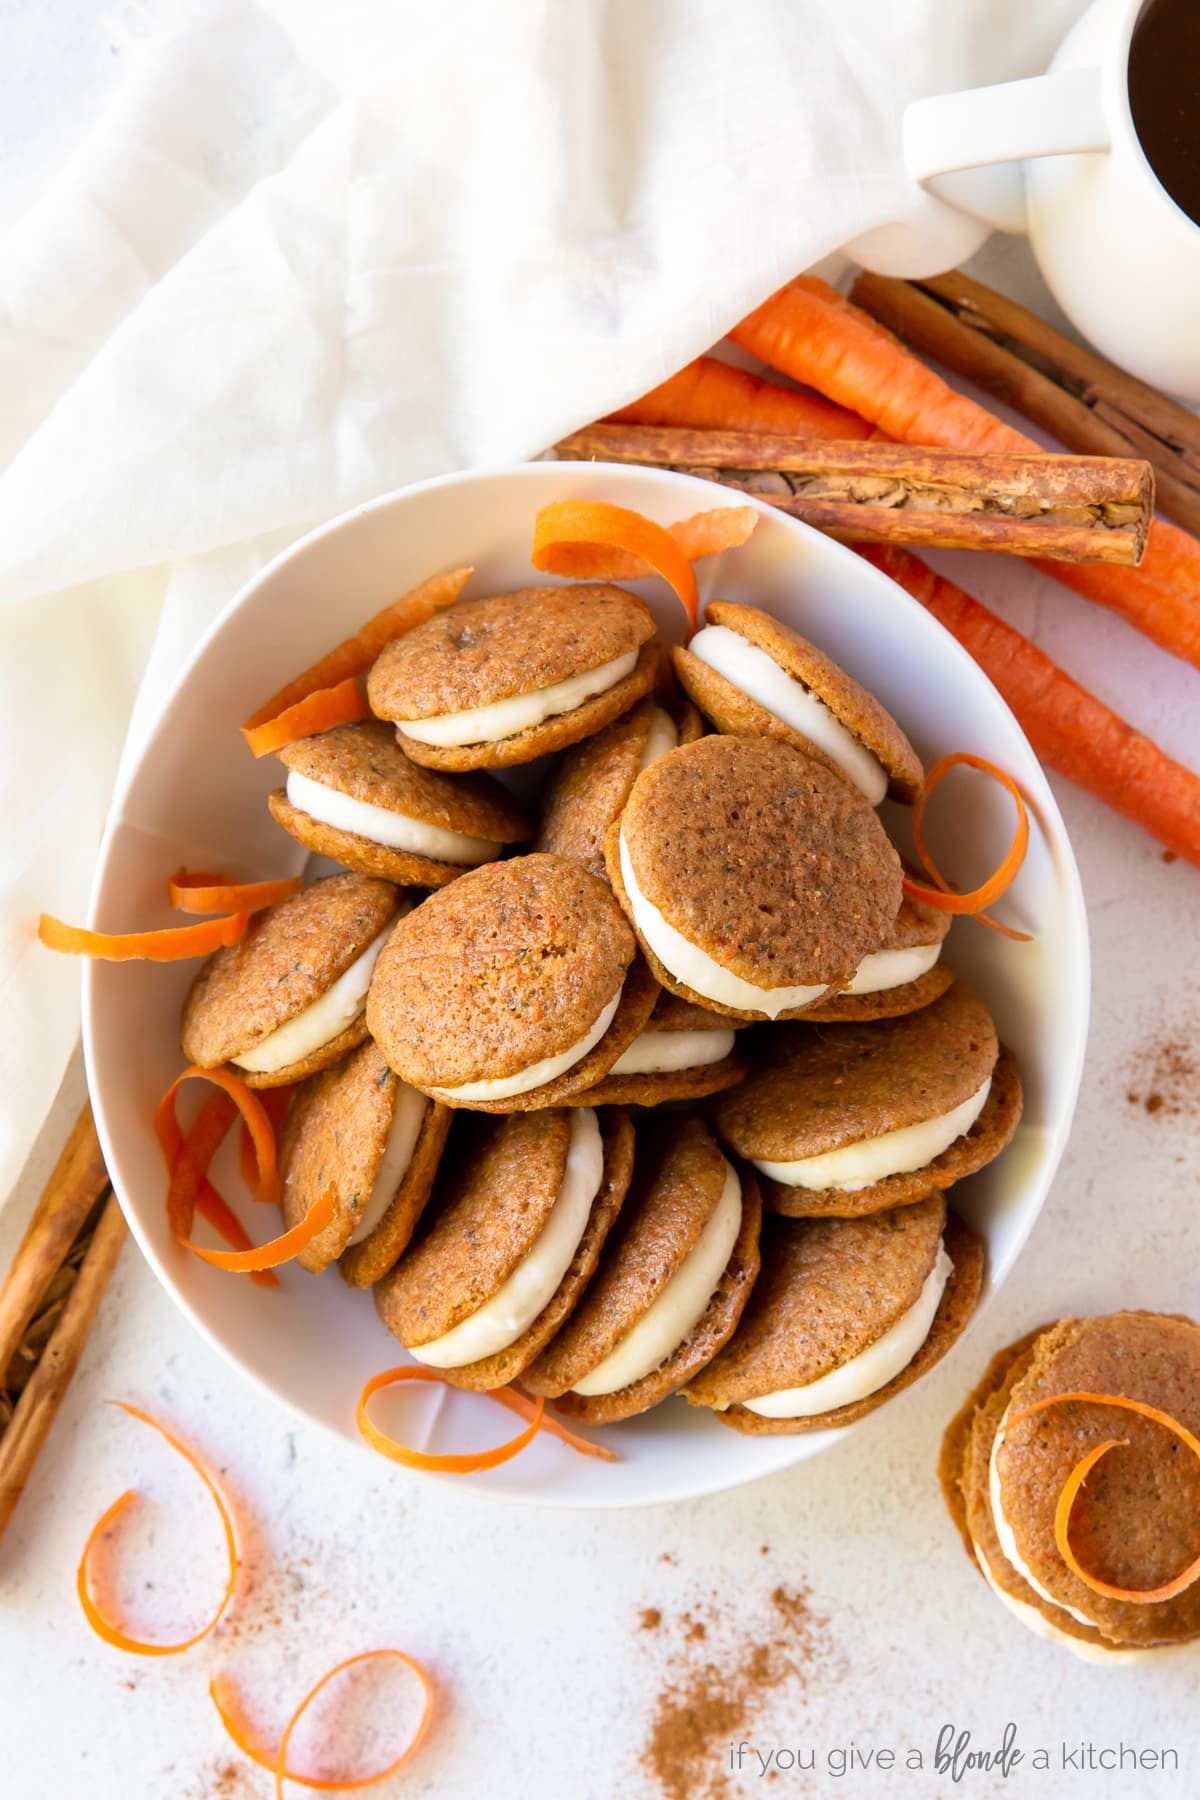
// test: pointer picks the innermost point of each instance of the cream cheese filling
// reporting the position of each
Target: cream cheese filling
(403, 1132)
(761, 678)
(872, 1368)
(696, 968)
(510, 1311)
(1033, 1621)
(885, 969)
(505, 718)
(320, 1022)
(662, 736)
(394, 830)
(503, 1087)
(874, 1159)
(678, 1309)
(662, 1052)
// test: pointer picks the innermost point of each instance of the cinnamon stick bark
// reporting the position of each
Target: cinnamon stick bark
(1082, 399)
(1072, 508)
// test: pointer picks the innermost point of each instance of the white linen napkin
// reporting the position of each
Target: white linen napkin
(315, 251)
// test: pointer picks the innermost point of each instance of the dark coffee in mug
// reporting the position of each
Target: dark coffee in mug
(1164, 96)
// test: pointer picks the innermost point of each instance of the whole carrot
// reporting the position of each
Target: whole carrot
(815, 335)
(710, 395)
(1072, 731)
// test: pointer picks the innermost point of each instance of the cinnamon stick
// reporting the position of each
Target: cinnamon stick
(43, 1393)
(1072, 508)
(1086, 402)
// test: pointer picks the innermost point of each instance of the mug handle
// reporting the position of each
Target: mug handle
(949, 136)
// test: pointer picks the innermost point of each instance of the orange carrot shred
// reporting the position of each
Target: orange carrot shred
(567, 533)
(318, 711)
(472, 1462)
(275, 1105)
(942, 895)
(1079, 1474)
(195, 892)
(276, 1763)
(175, 944)
(104, 1628)
(553, 1427)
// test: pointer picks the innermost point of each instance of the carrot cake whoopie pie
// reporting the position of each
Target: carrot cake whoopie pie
(509, 1242)
(850, 1119)
(490, 683)
(755, 879)
(683, 1052)
(1134, 1528)
(355, 1131)
(671, 1284)
(354, 796)
(906, 974)
(748, 672)
(845, 1314)
(289, 998)
(515, 987)
(594, 778)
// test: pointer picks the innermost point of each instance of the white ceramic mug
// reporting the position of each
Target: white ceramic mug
(1058, 157)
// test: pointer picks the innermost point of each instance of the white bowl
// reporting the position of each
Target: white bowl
(197, 798)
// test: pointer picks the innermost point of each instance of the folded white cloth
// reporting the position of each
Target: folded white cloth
(315, 251)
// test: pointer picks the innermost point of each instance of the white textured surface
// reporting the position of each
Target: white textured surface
(531, 1623)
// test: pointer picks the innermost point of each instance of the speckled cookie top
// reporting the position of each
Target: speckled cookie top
(776, 868)
(480, 651)
(291, 955)
(828, 1085)
(859, 711)
(366, 762)
(510, 964)
(829, 1288)
(493, 1195)
(917, 924)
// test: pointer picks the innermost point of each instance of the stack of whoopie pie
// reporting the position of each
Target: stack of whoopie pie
(655, 1085)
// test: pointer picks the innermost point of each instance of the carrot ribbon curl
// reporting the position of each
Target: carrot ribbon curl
(972, 903)
(471, 1462)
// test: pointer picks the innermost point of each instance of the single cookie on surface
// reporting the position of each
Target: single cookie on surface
(490, 683)
(355, 1131)
(595, 777)
(670, 1287)
(1135, 1525)
(845, 1314)
(289, 998)
(904, 976)
(683, 1052)
(755, 880)
(850, 1119)
(510, 1242)
(749, 673)
(513, 988)
(354, 796)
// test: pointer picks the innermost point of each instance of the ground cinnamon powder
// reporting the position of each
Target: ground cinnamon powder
(1167, 1080)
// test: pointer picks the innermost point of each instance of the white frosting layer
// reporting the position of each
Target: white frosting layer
(661, 737)
(872, 1368)
(514, 1306)
(1033, 1621)
(396, 831)
(1007, 1537)
(659, 1052)
(696, 968)
(674, 1315)
(326, 1018)
(402, 1136)
(760, 677)
(873, 1159)
(892, 968)
(505, 718)
(539, 1072)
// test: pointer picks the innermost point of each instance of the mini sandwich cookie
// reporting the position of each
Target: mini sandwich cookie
(489, 683)
(1135, 1525)
(595, 778)
(902, 977)
(515, 987)
(748, 673)
(683, 1053)
(755, 880)
(289, 999)
(358, 1133)
(670, 1288)
(845, 1314)
(354, 796)
(513, 1237)
(848, 1119)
